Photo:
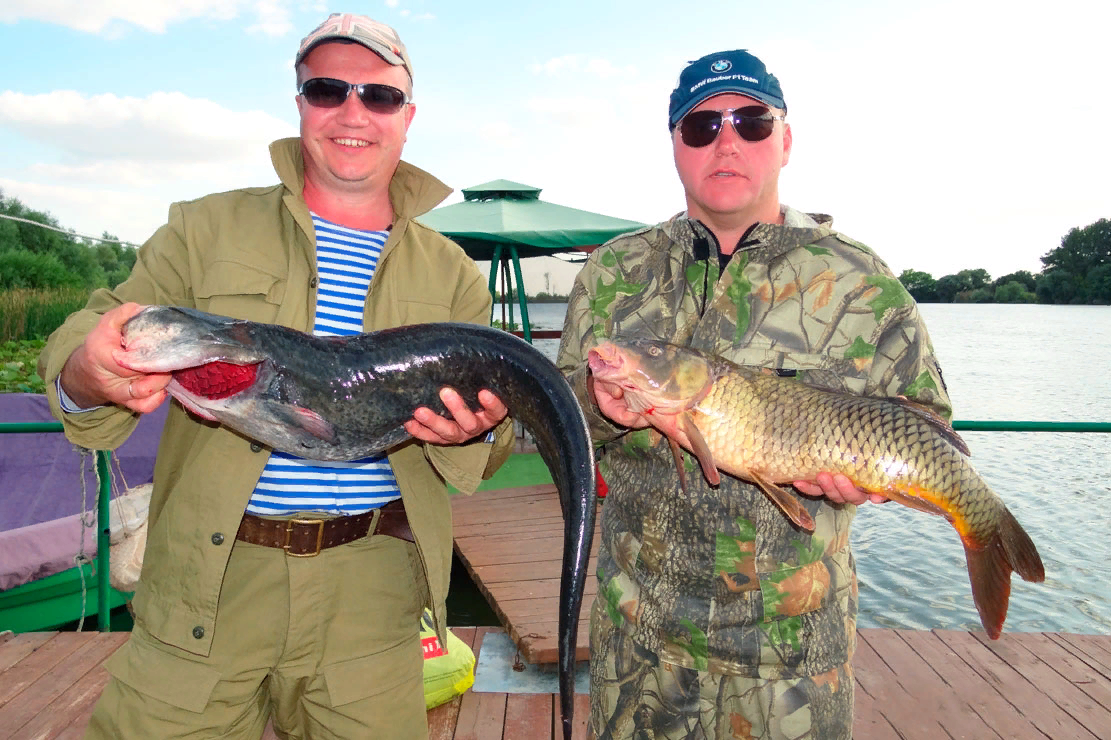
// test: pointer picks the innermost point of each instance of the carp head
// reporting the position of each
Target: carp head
(655, 376)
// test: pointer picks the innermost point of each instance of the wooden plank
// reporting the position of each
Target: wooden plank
(1087, 648)
(47, 687)
(546, 606)
(1072, 668)
(876, 675)
(527, 714)
(514, 572)
(1031, 656)
(538, 643)
(510, 526)
(481, 716)
(539, 588)
(14, 648)
(513, 549)
(868, 722)
(580, 726)
(73, 708)
(930, 695)
(1028, 698)
(983, 698)
(38, 663)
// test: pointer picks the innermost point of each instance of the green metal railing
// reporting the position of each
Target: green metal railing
(1032, 426)
(103, 530)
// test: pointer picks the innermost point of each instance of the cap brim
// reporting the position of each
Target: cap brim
(748, 92)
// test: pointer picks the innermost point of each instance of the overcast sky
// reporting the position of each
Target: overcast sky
(944, 135)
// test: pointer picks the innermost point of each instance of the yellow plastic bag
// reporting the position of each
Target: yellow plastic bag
(449, 672)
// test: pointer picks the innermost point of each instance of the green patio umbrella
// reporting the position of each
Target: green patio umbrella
(504, 222)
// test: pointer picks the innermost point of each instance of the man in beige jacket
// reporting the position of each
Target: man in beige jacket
(230, 628)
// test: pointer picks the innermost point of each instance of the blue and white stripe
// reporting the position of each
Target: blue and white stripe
(346, 260)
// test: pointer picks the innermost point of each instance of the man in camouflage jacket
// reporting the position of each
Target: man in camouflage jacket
(716, 617)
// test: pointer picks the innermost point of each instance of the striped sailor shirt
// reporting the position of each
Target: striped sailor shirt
(346, 259)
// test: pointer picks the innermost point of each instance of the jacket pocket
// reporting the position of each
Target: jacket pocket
(239, 289)
(791, 591)
(162, 675)
(379, 673)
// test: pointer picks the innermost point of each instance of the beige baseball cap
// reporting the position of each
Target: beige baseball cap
(378, 37)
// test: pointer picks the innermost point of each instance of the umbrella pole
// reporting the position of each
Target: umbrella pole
(492, 284)
(521, 294)
(507, 294)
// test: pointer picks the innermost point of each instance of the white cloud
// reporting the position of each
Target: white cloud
(91, 211)
(595, 68)
(104, 16)
(115, 163)
(273, 18)
(163, 127)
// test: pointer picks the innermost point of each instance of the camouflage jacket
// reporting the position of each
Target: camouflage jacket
(718, 579)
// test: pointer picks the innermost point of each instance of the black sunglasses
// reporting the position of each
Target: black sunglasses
(752, 123)
(325, 92)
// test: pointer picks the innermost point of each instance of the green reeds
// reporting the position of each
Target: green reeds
(33, 314)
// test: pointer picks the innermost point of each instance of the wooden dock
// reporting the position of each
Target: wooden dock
(910, 685)
(511, 542)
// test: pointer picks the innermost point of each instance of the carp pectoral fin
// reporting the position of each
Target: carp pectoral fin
(701, 450)
(677, 453)
(790, 505)
(918, 504)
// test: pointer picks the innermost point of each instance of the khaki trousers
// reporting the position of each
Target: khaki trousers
(327, 646)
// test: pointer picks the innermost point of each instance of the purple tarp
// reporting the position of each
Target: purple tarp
(40, 489)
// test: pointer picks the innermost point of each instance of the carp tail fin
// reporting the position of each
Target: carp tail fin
(990, 567)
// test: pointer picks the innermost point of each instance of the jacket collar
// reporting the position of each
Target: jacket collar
(763, 241)
(412, 190)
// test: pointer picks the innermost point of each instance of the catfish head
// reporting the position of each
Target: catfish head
(225, 370)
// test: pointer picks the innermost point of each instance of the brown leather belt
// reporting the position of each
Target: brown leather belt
(304, 538)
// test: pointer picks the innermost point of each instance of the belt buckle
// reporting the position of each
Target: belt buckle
(289, 535)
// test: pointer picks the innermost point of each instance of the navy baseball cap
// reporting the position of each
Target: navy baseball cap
(723, 72)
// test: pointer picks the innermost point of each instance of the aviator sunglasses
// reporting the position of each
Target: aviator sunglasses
(752, 123)
(326, 92)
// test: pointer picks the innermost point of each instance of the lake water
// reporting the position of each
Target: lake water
(1000, 362)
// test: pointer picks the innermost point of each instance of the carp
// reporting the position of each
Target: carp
(343, 398)
(756, 425)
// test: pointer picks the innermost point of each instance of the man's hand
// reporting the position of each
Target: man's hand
(92, 377)
(461, 424)
(839, 489)
(610, 398)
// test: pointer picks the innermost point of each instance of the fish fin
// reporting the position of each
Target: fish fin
(990, 567)
(677, 453)
(1021, 552)
(311, 422)
(936, 420)
(701, 450)
(918, 504)
(790, 505)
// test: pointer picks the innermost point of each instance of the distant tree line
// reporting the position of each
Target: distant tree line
(1077, 272)
(40, 258)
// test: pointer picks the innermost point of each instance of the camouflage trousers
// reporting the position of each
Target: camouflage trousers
(636, 696)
